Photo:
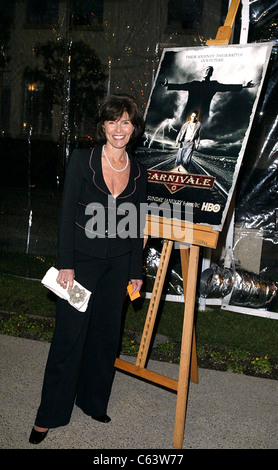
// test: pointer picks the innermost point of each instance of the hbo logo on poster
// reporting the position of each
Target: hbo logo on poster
(209, 207)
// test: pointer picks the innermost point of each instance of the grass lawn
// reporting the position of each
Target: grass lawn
(221, 335)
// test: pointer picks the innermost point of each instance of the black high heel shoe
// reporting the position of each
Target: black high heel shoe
(102, 418)
(36, 437)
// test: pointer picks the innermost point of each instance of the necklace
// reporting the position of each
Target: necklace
(111, 164)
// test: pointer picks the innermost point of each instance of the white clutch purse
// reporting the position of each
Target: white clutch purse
(78, 296)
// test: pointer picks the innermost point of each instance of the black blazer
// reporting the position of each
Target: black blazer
(84, 184)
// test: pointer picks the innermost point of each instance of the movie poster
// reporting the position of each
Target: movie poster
(198, 119)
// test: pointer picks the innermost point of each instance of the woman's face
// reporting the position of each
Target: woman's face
(118, 132)
(193, 117)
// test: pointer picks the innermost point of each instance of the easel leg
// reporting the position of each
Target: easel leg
(154, 303)
(184, 254)
(186, 346)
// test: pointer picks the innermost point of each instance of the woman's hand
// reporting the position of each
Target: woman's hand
(136, 285)
(66, 278)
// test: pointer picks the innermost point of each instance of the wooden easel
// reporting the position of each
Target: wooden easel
(190, 237)
(193, 237)
(224, 33)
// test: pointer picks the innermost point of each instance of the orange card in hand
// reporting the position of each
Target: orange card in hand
(129, 290)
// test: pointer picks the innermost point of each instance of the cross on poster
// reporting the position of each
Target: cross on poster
(198, 120)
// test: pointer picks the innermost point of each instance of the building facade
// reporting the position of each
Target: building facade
(126, 36)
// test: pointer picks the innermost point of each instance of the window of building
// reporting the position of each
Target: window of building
(87, 12)
(45, 12)
(37, 110)
(184, 15)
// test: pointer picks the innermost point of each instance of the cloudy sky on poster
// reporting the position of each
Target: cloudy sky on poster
(230, 112)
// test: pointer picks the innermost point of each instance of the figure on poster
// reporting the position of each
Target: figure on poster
(188, 139)
(200, 93)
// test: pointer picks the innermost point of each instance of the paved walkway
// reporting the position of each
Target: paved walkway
(224, 411)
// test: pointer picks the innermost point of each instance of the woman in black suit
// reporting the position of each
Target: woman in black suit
(100, 245)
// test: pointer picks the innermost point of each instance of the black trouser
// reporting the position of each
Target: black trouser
(84, 345)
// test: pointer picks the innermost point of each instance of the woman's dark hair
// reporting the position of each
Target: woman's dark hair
(113, 107)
